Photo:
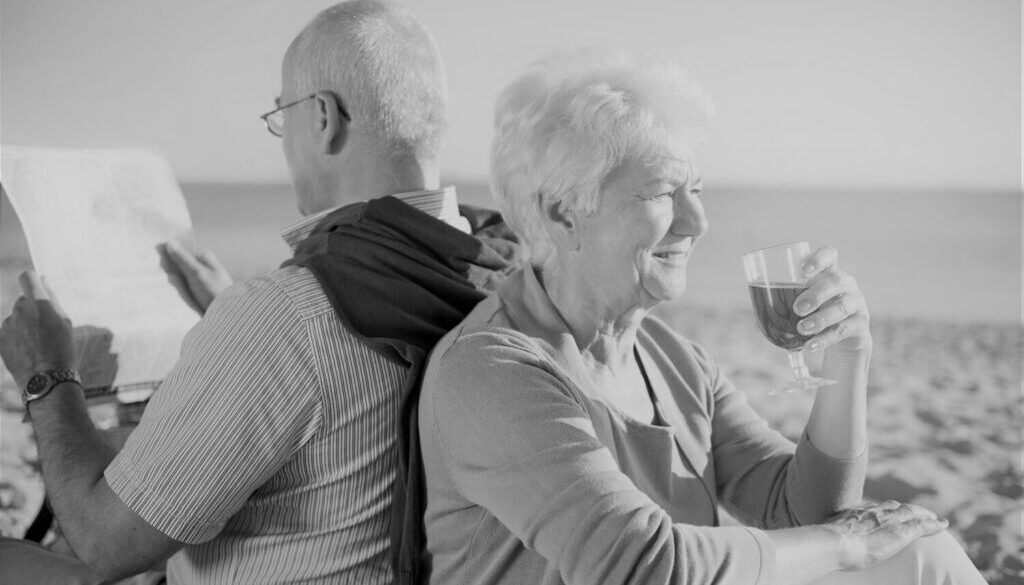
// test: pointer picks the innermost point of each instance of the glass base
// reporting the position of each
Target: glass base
(798, 384)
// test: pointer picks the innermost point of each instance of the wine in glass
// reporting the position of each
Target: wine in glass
(774, 280)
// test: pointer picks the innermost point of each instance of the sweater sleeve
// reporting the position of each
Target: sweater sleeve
(761, 476)
(517, 442)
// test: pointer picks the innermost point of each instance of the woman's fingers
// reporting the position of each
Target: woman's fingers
(920, 526)
(822, 259)
(847, 328)
(823, 288)
(922, 521)
(893, 512)
(834, 311)
(932, 526)
(919, 512)
(832, 306)
(904, 514)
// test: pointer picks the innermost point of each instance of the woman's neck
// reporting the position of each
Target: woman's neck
(604, 327)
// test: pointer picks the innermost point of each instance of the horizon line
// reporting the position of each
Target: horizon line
(727, 186)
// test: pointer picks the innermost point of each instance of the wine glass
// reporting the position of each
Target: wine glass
(774, 280)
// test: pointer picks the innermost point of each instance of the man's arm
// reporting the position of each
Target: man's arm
(105, 534)
(111, 539)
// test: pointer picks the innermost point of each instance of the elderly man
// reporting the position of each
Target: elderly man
(268, 454)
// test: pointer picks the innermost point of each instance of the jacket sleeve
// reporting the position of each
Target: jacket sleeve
(762, 477)
(517, 442)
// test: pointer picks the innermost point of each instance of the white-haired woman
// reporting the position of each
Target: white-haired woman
(570, 437)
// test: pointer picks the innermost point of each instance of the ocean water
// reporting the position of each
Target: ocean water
(949, 256)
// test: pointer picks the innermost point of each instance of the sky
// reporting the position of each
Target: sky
(874, 94)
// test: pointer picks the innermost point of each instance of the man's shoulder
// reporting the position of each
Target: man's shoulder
(291, 288)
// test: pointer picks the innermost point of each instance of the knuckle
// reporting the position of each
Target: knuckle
(843, 307)
(842, 328)
(849, 281)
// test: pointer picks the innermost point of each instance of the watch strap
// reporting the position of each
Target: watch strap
(42, 383)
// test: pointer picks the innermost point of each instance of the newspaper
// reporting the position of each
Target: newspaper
(93, 220)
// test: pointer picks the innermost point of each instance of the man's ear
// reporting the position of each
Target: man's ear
(562, 225)
(331, 126)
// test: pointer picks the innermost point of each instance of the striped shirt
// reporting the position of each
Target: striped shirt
(269, 449)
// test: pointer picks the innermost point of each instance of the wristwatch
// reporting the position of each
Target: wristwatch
(40, 384)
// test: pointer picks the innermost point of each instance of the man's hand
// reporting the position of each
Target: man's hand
(37, 335)
(199, 278)
(873, 533)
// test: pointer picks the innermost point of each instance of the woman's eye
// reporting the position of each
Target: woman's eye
(666, 194)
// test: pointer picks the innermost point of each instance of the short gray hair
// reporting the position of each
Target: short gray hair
(385, 67)
(569, 121)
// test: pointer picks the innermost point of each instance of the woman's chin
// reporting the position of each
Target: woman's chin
(663, 291)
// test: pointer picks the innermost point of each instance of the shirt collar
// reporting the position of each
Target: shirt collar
(439, 203)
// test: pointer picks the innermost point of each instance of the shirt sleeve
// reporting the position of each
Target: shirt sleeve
(761, 476)
(242, 399)
(518, 443)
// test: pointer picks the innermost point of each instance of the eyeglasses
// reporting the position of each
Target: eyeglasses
(274, 119)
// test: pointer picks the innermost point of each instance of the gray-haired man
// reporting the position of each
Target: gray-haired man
(268, 454)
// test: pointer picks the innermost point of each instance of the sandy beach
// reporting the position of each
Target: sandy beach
(945, 419)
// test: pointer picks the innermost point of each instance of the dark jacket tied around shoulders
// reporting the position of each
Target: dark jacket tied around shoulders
(399, 280)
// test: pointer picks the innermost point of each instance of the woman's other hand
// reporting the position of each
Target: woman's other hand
(870, 534)
(834, 310)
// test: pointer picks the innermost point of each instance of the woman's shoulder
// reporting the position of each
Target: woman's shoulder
(486, 330)
(487, 367)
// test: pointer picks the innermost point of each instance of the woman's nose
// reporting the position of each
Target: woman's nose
(690, 219)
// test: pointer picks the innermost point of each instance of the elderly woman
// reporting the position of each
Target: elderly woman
(570, 437)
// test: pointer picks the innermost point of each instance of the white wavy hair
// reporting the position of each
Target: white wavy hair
(384, 66)
(573, 118)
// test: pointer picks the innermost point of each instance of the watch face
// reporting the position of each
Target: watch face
(37, 384)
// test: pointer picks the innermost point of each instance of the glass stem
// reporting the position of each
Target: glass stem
(796, 362)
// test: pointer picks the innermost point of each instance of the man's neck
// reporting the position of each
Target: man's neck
(370, 177)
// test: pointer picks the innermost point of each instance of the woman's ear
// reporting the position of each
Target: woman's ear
(332, 126)
(562, 225)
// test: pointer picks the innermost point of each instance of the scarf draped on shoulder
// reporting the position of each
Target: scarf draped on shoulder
(399, 280)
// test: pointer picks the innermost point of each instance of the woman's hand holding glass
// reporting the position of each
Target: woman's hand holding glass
(833, 309)
(802, 300)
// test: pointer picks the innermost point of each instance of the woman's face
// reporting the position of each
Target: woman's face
(640, 239)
